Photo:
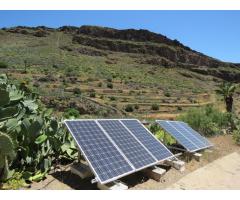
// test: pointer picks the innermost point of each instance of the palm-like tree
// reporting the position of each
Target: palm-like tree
(227, 91)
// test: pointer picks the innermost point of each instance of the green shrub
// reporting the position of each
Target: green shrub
(236, 136)
(155, 107)
(3, 65)
(71, 113)
(31, 139)
(129, 108)
(100, 84)
(179, 108)
(136, 106)
(165, 137)
(207, 120)
(92, 94)
(112, 98)
(110, 85)
(77, 91)
(161, 135)
(167, 94)
(109, 80)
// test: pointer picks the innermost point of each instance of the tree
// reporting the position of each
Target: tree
(227, 90)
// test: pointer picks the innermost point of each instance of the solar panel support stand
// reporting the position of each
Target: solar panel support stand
(81, 170)
(155, 173)
(115, 185)
(177, 164)
(192, 155)
(197, 156)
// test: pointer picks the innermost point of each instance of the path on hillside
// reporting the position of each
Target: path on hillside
(223, 173)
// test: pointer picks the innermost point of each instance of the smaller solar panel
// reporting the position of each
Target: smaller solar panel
(185, 135)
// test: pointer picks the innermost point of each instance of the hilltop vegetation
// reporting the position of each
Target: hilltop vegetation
(104, 72)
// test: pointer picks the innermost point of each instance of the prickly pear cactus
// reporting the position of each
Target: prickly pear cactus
(7, 154)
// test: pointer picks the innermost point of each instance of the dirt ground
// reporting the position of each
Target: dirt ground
(173, 179)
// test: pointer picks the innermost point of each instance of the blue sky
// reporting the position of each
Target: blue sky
(215, 33)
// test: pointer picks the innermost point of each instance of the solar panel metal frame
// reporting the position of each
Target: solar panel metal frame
(197, 149)
(124, 174)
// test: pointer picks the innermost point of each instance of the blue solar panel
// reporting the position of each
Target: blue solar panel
(132, 149)
(183, 140)
(105, 159)
(188, 134)
(197, 135)
(158, 150)
(185, 135)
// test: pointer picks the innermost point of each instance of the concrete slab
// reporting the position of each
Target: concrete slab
(177, 164)
(197, 156)
(155, 173)
(223, 173)
(112, 186)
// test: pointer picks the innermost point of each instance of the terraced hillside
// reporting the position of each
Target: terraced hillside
(108, 72)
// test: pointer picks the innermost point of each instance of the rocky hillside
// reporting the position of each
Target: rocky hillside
(104, 71)
(142, 42)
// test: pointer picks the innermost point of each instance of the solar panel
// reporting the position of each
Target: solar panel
(196, 134)
(104, 158)
(132, 149)
(156, 148)
(116, 148)
(185, 135)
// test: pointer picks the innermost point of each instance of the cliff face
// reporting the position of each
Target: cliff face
(143, 42)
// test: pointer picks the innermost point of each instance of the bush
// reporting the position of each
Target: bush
(92, 95)
(129, 108)
(236, 136)
(112, 98)
(3, 65)
(162, 135)
(136, 106)
(207, 120)
(109, 80)
(155, 107)
(31, 139)
(100, 84)
(179, 108)
(110, 85)
(167, 94)
(71, 113)
(77, 91)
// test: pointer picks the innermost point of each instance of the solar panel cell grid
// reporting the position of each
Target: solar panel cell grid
(188, 134)
(132, 149)
(196, 134)
(150, 142)
(187, 143)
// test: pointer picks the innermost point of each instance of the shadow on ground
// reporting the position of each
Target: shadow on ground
(74, 181)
